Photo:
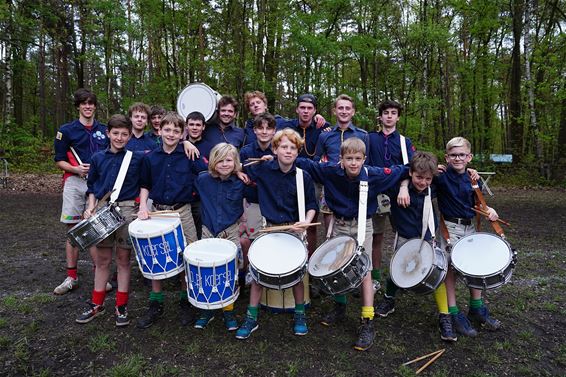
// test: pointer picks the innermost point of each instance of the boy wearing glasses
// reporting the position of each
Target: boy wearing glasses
(456, 198)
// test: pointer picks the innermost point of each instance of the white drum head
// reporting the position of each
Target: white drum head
(197, 97)
(277, 253)
(332, 255)
(480, 254)
(152, 227)
(210, 252)
(411, 263)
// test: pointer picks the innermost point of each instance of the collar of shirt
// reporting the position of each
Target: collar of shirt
(350, 127)
(178, 149)
(274, 165)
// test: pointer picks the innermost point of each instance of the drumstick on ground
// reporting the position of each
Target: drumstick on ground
(285, 227)
(424, 357)
(429, 362)
(486, 214)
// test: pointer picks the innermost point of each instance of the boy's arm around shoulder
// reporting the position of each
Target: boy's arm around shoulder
(386, 177)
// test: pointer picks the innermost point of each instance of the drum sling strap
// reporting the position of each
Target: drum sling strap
(404, 149)
(482, 205)
(362, 210)
(121, 176)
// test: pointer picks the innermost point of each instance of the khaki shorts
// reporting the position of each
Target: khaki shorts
(121, 238)
(74, 200)
(350, 228)
(231, 233)
(379, 223)
(254, 222)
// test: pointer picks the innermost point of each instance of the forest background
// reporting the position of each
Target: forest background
(493, 71)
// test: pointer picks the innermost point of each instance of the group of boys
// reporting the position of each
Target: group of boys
(335, 162)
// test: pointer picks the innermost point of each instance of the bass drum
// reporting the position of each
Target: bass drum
(198, 97)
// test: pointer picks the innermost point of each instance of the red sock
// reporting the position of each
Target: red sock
(98, 297)
(121, 298)
(72, 272)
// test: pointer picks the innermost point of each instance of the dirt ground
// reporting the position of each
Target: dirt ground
(39, 336)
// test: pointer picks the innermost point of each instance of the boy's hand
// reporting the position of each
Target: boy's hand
(319, 120)
(474, 174)
(143, 214)
(403, 198)
(441, 168)
(89, 212)
(299, 227)
(243, 177)
(191, 151)
(267, 157)
(82, 170)
(493, 216)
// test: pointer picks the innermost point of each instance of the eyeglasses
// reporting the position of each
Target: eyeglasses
(460, 156)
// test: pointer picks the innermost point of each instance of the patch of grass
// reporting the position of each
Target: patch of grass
(526, 335)
(292, 369)
(132, 366)
(551, 307)
(3, 322)
(561, 355)
(31, 328)
(101, 342)
(21, 355)
(192, 348)
(162, 370)
(16, 304)
(405, 371)
(42, 298)
(504, 345)
(4, 342)
(43, 372)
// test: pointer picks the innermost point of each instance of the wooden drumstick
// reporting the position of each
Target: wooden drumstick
(252, 163)
(486, 214)
(429, 362)
(423, 357)
(285, 227)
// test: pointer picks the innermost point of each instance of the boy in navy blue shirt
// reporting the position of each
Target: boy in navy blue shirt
(225, 129)
(407, 221)
(342, 189)
(385, 151)
(104, 168)
(86, 136)
(156, 113)
(277, 190)
(456, 198)
(140, 140)
(167, 177)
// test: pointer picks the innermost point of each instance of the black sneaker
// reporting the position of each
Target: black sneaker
(186, 313)
(91, 313)
(445, 326)
(335, 315)
(366, 334)
(481, 317)
(385, 307)
(154, 311)
(122, 316)
(462, 325)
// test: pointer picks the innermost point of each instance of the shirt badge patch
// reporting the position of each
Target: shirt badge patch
(387, 171)
(59, 135)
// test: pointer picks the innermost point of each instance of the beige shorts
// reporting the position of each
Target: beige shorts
(350, 228)
(379, 223)
(74, 200)
(121, 238)
(231, 233)
(254, 222)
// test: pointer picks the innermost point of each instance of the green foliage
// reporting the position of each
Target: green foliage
(131, 366)
(101, 342)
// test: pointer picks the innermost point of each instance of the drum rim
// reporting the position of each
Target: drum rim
(251, 252)
(211, 241)
(199, 85)
(155, 233)
(494, 273)
(424, 277)
(343, 265)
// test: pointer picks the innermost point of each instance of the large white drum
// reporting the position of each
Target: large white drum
(197, 97)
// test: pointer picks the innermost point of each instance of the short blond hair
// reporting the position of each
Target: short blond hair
(353, 145)
(345, 97)
(291, 134)
(256, 93)
(458, 142)
(219, 153)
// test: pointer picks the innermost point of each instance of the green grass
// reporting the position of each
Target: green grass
(31, 328)
(4, 342)
(292, 369)
(132, 366)
(42, 298)
(101, 342)
(3, 322)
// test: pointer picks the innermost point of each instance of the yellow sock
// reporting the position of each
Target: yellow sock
(231, 307)
(367, 312)
(441, 299)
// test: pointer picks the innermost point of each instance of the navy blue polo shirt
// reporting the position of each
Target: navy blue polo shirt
(309, 134)
(342, 193)
(408, 222)
(143, 143)
(222, 201)
(85, 142)
(456, 196)
(249, 129)
(385, 150)
(213, 134)
(253, 150)
(329, 142)
(169, 177)
(204, 147)
(278, 192)
(104, 168)
(155, 137)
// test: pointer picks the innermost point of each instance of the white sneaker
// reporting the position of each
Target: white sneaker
(109, 287)
(376, 285)
(66, 286)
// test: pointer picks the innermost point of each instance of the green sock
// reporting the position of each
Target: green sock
(300, 308)
(341, 299)
(476, 303)
(156, 296)
(376, 274)
(453, 310)
(390, 288)
(183, 295)
(253, 311)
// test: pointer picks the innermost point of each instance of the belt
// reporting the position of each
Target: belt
(342, 218)
(165, 207)
(269, 223)
(459, 221)
(126, 203)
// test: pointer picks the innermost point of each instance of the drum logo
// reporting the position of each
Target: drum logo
(212, 280)
(152, 250)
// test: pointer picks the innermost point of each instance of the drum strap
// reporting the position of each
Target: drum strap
(482, 205)
(300, 194)
(404, 150)
(428, 216)
(121, 176)
(362, 210)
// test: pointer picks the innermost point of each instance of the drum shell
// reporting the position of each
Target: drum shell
(198, 97)
(283, 301)
(272, 280)
(436, 271)
(491, 280)
(91, 231)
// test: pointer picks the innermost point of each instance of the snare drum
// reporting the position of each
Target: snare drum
(277, 260)
(483, 260)
(339, 264)
(159, 244)
(211, 273)
(96, 228)
(197, 97)
(283, 301)
(418, 267)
